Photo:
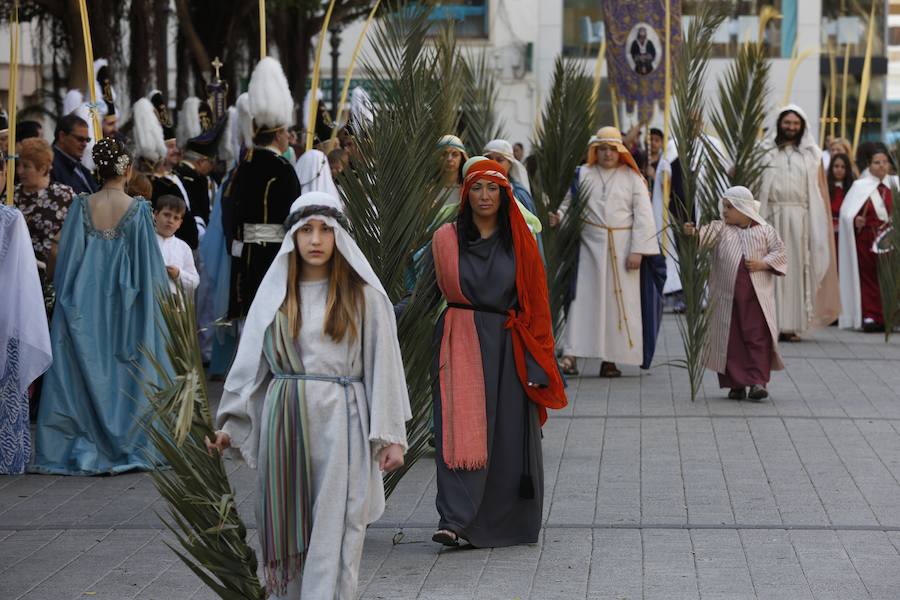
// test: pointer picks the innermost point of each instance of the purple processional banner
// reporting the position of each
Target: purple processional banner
(635, 50)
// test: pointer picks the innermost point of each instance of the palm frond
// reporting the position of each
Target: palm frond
(559, 147)
(391, 193)
(742, 94)
(700, 194)
(479, 107)
(889, 271)
(201, 511)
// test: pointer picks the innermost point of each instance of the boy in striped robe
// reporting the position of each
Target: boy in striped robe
(742, 344)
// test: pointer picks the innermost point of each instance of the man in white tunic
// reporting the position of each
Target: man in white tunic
(794, 200)
(604, 319)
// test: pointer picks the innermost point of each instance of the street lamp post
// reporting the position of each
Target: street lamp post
(335, 55)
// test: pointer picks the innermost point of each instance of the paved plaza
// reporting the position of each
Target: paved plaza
(648, 496)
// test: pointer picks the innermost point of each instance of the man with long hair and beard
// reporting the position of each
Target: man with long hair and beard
(794, 199)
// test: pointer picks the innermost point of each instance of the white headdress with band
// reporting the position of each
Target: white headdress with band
(517, 171)
(742, 200)
(271, 293)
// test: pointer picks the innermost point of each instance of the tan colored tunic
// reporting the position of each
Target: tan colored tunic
(732, 245)
(605, 316)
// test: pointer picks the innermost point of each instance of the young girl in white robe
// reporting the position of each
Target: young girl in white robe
(321, 330)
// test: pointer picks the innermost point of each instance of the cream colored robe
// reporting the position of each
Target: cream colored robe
(605, 316)
(732, 245)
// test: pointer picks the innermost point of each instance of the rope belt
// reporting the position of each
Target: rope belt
(617, 283)
(263, 233)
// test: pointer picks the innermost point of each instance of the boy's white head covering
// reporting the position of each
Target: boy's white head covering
(517, 171)
(271, 103)
(314, 173)
(742, 200)
(149, 140)
(271, 293)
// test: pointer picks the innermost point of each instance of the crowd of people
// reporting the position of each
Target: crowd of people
(229, 208)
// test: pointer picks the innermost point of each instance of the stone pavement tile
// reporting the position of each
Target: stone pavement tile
(625, 392)
(565, 564)
(406, 566)
(721, 565)
(410, 492)
(662, 485)
(20, 545)
(575, 492)
(796, 497)
(47, 561)
(751, 496)
(616, 565)
(876, 561)
(884, 439)
(78, 576)
(876, 483)
(619, 490)
(670, 572)
(137, 572)
(509, 572)
(91, 500)
(454, 572)
(591, 397)
(828, 569)
(20, 490)
(704, 479)
(173, 582)
(379, 543)
(842, 499)
(774, 567)
(872, 389)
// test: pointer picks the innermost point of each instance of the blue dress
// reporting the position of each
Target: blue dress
(89, 421)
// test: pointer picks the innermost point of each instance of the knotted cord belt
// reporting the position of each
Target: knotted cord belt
(617, 283)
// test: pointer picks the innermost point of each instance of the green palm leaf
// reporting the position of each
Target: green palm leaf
(559, 147)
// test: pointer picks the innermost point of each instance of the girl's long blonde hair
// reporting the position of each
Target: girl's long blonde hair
(345, 307)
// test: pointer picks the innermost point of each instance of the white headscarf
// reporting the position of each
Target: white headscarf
(517, 171)
(314, 173)
(808, 141)
(361, 112)
(742, 200)
(272, 290)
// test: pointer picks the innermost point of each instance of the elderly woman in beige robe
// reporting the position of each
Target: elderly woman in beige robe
(604, 319)
(748, 257)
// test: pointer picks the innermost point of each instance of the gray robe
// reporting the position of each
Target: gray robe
(483, 506)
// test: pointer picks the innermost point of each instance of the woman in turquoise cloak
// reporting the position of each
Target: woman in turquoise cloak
(108, 272)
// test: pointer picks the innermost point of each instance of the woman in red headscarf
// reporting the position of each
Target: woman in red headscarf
(495, 372)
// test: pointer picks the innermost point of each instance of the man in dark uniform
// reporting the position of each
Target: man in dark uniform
(193, 171)
(265, 185)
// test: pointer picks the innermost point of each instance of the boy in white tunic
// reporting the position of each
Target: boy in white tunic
(604, 319)
(322, 330)
(177, 255)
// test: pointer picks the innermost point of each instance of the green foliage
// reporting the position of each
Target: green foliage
(391, 192)
(559, 147)
(479, 106)
(889, 271)
(700, 196)
(739, 119)
(202, 515)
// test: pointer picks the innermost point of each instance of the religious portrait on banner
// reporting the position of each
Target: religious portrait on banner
(635, 50)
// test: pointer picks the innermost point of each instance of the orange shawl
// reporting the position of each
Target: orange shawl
(463, 415)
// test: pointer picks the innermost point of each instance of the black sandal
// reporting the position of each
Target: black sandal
(446, 537)
(608, 369)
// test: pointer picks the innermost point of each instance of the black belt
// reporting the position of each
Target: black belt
(477, 308)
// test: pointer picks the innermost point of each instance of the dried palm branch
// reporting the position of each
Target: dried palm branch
(559, 146)
(391, 192)
(694, 258)
(212, 538)
(742, 92)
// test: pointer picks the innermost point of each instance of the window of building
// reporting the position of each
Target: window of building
(469, 16)
(846, 24)
(742, 24)
(582, 27)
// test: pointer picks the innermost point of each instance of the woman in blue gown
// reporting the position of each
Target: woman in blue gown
(108, 271)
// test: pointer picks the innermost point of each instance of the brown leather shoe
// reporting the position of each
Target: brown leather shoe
(608, 369)
(737, 393)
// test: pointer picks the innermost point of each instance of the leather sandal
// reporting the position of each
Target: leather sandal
(758, 392)
(568, 365)
(445, 537)
(608, 369)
